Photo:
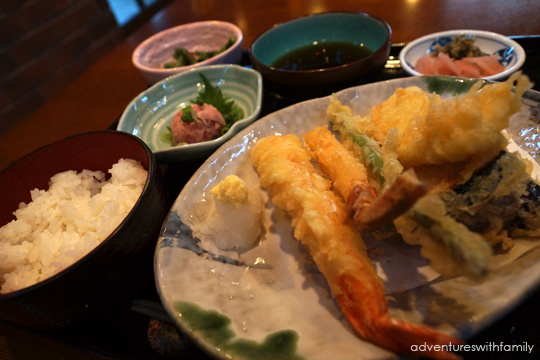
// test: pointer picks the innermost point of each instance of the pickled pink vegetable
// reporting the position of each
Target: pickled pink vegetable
(472, 67)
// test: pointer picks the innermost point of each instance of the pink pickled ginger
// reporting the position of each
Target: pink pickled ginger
(472, 67)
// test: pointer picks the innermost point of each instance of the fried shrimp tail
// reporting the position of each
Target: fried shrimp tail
(321, 223)
(393, 202)
(368, 210)
(387, 331)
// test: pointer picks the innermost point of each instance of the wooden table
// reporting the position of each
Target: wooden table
(98, 97)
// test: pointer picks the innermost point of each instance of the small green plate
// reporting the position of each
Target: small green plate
(150, 113)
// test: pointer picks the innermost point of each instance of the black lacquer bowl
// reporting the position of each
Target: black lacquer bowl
(102, 281)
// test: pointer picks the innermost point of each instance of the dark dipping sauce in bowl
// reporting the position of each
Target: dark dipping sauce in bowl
(322, 56)
(317, 55)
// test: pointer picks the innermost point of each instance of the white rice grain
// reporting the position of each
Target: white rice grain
(64, 223)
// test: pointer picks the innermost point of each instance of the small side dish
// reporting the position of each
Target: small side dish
(460, 57)
(188, 46)
(208, 117)
(463, 53)
(317, 53)
(234, 91)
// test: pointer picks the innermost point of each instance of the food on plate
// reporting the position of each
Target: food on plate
(442, 64)
(64, 223)
(333, 157)
(321, 222)
(184, 57)
(359, 143)
(441, 238)
(460, 57)
(501, 197)
(461, 46)
(437, 171)
(368, 210)
(479, 193)
(441, 137)
(208, 117)
(451, 247)
(196, 123)
(235, 204)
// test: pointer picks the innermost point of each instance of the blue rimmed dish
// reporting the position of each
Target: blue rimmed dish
(509, 53)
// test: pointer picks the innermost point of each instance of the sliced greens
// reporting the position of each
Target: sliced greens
(212, 95)
(183, 57)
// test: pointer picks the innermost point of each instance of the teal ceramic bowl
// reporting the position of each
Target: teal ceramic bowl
(360, 29)
(150, 114)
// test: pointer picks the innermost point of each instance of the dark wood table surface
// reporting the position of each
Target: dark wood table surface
(96, 99)
(101, 94)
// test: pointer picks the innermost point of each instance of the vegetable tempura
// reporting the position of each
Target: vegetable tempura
(479, 193)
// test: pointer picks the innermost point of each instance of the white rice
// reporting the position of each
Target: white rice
(62, 224)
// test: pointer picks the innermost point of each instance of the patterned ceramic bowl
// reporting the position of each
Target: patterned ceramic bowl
(509, 53)
(150, 114)
(151, 54)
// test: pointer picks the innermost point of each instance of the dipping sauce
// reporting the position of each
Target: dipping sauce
(322, 56)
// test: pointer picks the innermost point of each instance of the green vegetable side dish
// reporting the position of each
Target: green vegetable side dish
(461, 46)
(215, 329)
(183, 57)
(211, 95)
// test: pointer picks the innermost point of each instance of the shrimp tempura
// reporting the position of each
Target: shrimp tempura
(369, 210)
(320, 219)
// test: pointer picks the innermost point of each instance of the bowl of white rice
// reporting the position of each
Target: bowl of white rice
(78, 223)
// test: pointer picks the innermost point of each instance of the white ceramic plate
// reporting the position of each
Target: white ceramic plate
(511, 55)
(287, 299)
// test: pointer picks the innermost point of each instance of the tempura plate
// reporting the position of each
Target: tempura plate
(284, 300)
